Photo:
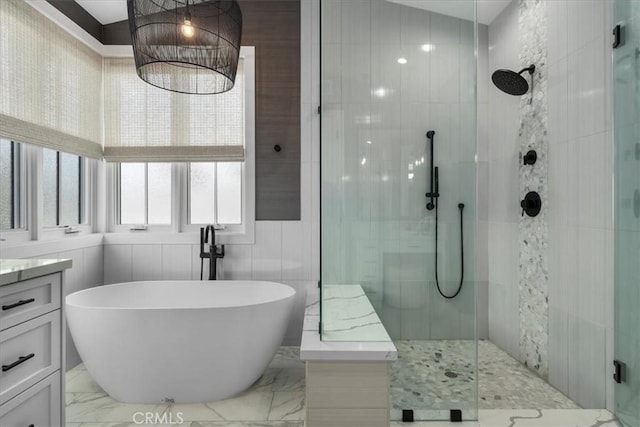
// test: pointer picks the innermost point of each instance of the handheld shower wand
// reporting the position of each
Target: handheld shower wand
(433, 195)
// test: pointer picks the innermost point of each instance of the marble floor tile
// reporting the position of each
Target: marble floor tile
(277, 398)
(249, 406)
(287, 357)
(248, 424)
(79, 381)
(281, 379)
(547, 418)
(118, 424)
(287, 406)
(99, 407)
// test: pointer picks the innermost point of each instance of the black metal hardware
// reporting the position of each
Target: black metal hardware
(31, 425)
(433, 195)
(455, 416)
(20, 360)
(433, 175)
(277, 148)
(618, 36)
(214, 253)
(532, 204)
(407, 416)
(18, 304)
(319, 109)
(620, 371)
(530, 158)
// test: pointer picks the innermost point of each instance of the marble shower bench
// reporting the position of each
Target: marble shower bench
(347, 381)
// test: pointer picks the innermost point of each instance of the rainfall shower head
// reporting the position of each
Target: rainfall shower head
(511, 82)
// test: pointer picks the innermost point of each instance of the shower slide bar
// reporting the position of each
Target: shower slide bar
(433, 196)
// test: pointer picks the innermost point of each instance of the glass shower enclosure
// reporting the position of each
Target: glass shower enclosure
(626, 73)
(398, 192)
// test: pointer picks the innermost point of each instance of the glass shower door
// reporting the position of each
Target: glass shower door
(398, 77)
(626, 71)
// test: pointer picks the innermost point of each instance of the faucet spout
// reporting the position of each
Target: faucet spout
(213, 253)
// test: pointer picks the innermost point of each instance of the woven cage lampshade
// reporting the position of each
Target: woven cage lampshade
(187, 46)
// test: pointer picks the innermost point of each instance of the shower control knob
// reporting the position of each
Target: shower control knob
(530, 158)
(531, 204)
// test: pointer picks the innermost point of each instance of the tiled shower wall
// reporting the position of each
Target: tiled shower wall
(375, 114)
(579, 208)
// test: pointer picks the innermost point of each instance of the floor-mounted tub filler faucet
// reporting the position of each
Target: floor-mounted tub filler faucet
(215, 251)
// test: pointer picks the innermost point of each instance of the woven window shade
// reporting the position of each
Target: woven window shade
(50, 84)
(146, 124)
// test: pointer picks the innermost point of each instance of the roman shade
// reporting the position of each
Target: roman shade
(50, 84)
(145, 124)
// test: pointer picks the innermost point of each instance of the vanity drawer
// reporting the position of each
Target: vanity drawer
(30, 352)
(28, 299)
(39, 406)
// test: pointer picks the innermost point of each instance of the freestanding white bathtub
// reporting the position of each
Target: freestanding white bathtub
(178, 341)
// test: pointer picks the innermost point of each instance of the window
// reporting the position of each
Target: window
(43, 191)
(215, 193)
(205, 183)
(62, 189)
(11, 186)
(145, 193)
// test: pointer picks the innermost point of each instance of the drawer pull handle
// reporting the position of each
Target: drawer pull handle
(31, 425)
(18, 304)
(20, 360)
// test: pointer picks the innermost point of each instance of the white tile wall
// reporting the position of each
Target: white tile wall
(266, 254)
(579, 211)
(176, 262)
(146, 262)
(117, 264)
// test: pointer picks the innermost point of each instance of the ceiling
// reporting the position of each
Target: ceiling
(487, 9)
(109, 11)
(105, 11)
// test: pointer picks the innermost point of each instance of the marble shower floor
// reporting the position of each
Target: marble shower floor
(442, 371)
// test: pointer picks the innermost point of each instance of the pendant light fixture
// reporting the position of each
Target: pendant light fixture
(187, 46)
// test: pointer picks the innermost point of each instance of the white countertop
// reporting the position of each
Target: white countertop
(15, 270)
(353, 318)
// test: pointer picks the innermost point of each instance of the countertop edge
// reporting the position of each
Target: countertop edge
(30, 268)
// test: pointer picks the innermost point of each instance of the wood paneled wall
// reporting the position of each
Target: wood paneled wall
(273, 27)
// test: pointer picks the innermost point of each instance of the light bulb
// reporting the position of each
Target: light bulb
(187, 29)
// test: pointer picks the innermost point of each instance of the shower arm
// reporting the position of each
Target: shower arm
(531, 69)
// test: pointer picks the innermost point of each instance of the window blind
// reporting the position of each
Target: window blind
(50, 84)
(146, 124)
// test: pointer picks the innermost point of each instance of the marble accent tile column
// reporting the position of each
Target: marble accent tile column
(533, 273)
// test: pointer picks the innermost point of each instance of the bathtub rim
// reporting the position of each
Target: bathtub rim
(291, 293)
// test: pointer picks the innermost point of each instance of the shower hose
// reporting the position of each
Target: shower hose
(461, 208)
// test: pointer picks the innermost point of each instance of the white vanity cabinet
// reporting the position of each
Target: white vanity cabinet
(32, 343)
